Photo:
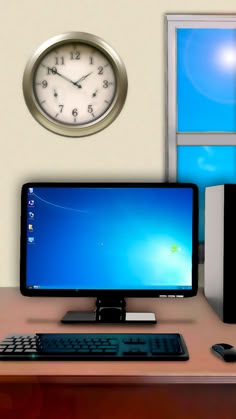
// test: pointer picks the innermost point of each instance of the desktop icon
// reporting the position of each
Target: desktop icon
(31, 190)
(30, 227)
(31, 215)
(30, 239)
(31, 202)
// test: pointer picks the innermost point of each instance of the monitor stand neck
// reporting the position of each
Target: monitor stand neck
(109, 310)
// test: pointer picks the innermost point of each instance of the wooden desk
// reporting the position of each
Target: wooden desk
(108, 389)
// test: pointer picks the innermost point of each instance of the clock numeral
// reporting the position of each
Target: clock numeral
(44, 84)
(75, 112)
(105, 84)
(61, 108)
(100, 70)
(75, 55)
(91, 60)
(59, 61)
(90, 108)
(52, 70)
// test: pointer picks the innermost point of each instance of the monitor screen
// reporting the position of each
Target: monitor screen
(108, 237)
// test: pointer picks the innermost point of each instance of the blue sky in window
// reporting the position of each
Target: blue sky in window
(206, 80)
(206, 166)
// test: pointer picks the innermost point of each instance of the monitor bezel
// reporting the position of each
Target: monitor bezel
(106, 293)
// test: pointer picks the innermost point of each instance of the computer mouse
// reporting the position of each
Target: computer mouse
(224, 351)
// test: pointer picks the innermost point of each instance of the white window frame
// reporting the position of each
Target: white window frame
(174, 138)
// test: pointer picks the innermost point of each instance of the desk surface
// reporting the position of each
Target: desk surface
(192, 317)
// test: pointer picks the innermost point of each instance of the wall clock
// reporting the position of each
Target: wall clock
(75, 84)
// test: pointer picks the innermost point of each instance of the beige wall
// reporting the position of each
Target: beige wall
(131, 148)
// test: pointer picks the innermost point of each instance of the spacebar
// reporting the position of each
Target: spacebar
(77, 351)
(57, 350)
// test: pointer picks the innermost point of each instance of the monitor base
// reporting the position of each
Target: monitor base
(90, 317)
(109, 311)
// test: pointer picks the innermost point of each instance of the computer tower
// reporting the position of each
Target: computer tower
(220, 250)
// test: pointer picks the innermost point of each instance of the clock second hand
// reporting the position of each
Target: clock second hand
(61, 75)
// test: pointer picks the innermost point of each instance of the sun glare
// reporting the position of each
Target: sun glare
(226, 57)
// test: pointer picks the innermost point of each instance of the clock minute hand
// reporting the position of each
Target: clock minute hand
(83, 78)
(61, 75)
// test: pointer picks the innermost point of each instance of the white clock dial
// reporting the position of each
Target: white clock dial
(75, 84)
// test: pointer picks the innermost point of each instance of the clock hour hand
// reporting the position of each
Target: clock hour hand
(83, 78)
(61, 75)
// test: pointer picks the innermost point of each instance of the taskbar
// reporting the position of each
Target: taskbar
(166, 288)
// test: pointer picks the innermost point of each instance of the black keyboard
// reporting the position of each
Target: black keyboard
(94, 346)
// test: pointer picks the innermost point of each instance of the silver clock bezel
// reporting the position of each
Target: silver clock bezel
(84, 129)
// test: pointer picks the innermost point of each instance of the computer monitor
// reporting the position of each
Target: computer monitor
(110, 241)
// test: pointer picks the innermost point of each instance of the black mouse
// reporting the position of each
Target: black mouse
(224, 351)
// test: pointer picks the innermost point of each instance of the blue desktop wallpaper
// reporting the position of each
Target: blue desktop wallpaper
(206, 82)
(109, 238)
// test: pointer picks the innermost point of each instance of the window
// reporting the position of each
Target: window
(201, 102)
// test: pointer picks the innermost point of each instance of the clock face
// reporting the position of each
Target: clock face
(74, 83)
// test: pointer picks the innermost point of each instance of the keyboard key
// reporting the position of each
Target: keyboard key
(107, 347)
(110, 351)
(113, 341)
